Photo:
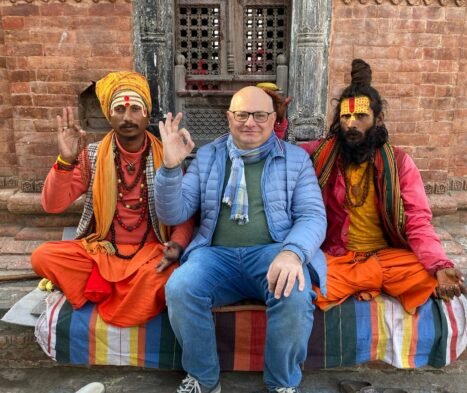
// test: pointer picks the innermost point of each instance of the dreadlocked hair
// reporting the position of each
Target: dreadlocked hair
(361, 86)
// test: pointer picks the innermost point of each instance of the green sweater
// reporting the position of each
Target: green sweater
(228, 233)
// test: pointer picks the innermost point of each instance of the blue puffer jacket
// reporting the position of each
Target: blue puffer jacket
(292, 200)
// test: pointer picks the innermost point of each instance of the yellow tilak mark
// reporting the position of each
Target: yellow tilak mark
(406, 339)
(352, 105)
(382, 330)
(101, 342)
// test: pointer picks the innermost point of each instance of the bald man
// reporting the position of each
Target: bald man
(262, 223)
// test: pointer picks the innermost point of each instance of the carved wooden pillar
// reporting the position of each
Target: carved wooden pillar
(308, 63)
(154, 51)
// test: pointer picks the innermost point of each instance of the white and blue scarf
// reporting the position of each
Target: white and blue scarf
(236, 195)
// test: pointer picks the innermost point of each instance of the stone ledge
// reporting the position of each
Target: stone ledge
(30, 203)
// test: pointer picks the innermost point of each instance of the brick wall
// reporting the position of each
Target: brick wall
(49, 53)
(51, 50)
(418, 54)
(7, 147)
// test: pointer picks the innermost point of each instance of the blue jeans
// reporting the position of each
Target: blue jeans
(217, 276)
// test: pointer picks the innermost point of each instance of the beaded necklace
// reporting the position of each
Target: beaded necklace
(356, 189)
(124, 188)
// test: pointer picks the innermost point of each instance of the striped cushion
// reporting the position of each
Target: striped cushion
(350, 334)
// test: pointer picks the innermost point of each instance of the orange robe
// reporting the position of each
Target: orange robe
(137, 290)
(371, 266)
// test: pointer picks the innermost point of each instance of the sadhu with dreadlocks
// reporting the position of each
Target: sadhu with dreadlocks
(379, 236)
(122, 256)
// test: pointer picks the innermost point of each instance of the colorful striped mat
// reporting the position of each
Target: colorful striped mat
(350, 334)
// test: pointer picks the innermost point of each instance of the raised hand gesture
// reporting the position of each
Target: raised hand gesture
(71, 138)
(177, 142)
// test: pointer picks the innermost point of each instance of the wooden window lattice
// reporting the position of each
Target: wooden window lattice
(264, 36)
(199, 39)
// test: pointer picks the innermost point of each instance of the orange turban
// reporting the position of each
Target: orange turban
(122, 80)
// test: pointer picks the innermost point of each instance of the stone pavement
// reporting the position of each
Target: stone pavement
(25, 369)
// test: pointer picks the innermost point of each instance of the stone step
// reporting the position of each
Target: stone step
(36, 233)
(9, 245)
(15, 262)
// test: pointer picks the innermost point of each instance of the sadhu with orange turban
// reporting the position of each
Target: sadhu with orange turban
(122, 256)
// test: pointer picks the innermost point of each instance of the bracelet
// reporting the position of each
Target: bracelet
(63, 162)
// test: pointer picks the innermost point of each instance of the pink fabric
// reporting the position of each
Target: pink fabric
(421, 236)
(280, 128)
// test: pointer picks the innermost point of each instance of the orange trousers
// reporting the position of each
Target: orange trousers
(137, 292)
(396, 272)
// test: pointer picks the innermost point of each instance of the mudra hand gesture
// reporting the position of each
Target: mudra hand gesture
(177, 142)
(71, 138)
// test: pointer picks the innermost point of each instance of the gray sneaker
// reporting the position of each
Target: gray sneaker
(191, 385)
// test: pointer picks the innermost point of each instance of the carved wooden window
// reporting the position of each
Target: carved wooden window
(199, 41)
(221, 46)
(264, 37)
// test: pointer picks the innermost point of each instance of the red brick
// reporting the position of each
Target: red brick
(410, 25)
(438, 164)
(13, 22)
(448, 66)
(17, 63)
(120, 8)
(441, 53)
(17, 36)
(21, 76)
(410, 102)
(21, 100)
(62, 9)
(116, 63)
(39, 88)
(24, 50)
(443, 115)
(455, 28)
(405, 13)
(450, 41)
(341, 12)
(410, 53)
(429, 13)
(445, 91)
(427, 90)
(33, 113)
(47, 36)
(96, 36)
(435, 27)
(22, 10)
(51, 100)
(75, 50)
(19, 87)
(365, 11)
(455, 13)
(438, 139)
(114, 50)
(376, 52)
(406, 127)
(437, 103)
(5, 112)
(408, 139)
(56, 62)
(387, 11)
(421, 163)
(442, 78)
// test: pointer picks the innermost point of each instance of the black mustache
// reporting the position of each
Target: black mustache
(353, 131)
(128, 125)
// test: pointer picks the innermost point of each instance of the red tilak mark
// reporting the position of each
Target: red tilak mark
(126, 98)
(127, 104)
(352, 104)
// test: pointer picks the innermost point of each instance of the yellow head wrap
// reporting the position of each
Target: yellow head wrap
(122, 80)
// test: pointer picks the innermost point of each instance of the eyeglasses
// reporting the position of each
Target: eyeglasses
(259, 117)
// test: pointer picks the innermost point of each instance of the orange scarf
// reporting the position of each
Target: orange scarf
(104, 190)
